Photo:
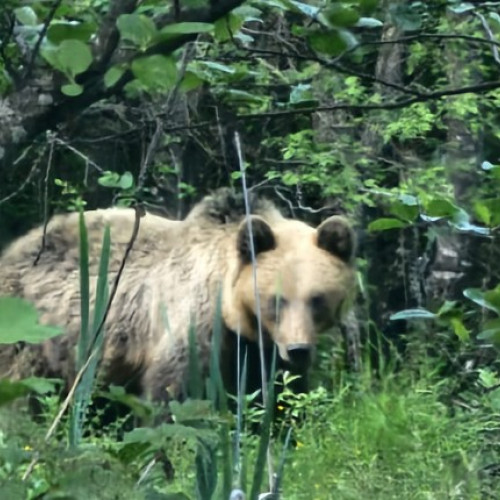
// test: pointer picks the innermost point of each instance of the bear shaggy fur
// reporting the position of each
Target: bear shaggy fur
(172, 279)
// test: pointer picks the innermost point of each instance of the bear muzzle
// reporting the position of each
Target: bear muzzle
(300, 356)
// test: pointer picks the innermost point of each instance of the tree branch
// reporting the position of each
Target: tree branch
(471, 89)
(22, 118)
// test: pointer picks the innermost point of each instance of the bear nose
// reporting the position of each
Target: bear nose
(300, 355)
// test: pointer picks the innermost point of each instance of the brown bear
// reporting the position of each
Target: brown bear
(172, 280)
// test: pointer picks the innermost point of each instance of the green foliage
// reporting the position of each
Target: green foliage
(71, 57)
(489, 300)
(91, 339)
(398, 441)
(19, 323)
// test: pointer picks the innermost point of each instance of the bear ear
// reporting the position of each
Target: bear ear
(262, 236)
(336, 236)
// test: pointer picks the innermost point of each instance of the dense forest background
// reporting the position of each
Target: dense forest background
(386, 111)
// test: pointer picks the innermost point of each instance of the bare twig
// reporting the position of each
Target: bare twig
(150, 152)
(28, 178)
(46, 197)
(83, 156)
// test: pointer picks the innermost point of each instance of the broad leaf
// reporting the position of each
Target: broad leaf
(74, 57)
(488, 300)
(341, 16)
(19, 322)
(12, 390)
(369, 22)
(113, 75)
(26, 15)
(137, 28)
(386, 223)
(187, 28)
(72, 89)
(331, 42)
(155, 72)
(69, 30)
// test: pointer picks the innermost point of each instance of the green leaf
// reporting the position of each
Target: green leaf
(462, 7)
(303, 8)
(19, 322)
(72, 89)
(491, 331)
(447, 309)
(234, 95)
(300, 93)
(482, 299)
(226, 27)
(332, 42)
(492, 335)
(190, 81)
(74, 57)
(459, 328)
(369, 22)
(440, 207)
(386, 223)
(488, 211)
(137, 28)
(113, 75)
(109, 179)
(413, 314)
(482, 212)
(341, 16)
(155, 72)
(126, 181)
(406, 211)
(26, 15)
(12, 390)
(187, 28)
(217, 66)
(69, 30)
(404, 17)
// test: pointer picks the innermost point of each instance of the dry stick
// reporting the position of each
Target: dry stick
(26, 181)
(237, 144)
(46, 198)
(79, 154)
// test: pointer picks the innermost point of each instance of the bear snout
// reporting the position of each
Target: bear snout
(300, 355)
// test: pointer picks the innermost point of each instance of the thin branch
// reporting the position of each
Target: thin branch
(28, 178)
(46, 198)
(481, 87)
(412, 38)
(40, 38)
(78, 153)
(150, 152)
(332, 64)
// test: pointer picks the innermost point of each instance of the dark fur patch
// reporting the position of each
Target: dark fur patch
(224, 206)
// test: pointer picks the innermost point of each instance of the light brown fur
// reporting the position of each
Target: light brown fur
(174, 271)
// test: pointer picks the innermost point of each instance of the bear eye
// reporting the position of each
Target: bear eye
(275, 305)
(319, 308)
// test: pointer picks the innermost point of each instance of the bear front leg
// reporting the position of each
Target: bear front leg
(165, 379)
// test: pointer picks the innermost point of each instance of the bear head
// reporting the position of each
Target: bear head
(304, 275)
